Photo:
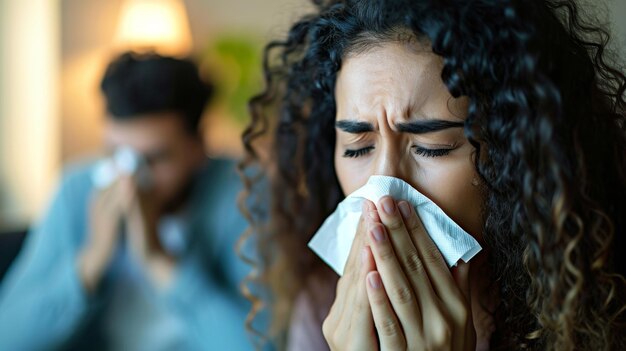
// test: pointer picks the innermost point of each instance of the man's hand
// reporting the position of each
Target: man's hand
(107, 209)
(141, 229)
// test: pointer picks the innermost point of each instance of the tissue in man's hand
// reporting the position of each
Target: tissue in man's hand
(333, 240)
(125, 160)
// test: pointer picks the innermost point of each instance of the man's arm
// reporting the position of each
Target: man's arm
(42, 299)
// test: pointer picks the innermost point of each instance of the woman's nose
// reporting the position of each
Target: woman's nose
(392, 162)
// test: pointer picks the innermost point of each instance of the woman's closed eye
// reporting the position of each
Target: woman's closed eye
(427, 152)
(418, 150)
(358, 152)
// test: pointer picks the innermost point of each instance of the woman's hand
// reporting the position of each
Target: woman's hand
(349, 324)
(417, 303)
(399, 294)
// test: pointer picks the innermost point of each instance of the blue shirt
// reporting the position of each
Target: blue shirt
(43, 305)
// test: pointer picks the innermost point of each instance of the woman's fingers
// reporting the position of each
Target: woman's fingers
(362, 313)
(342, 291)
(360, 316)
(453, 292)
(351, 270)
(399, 291)
(438, 272)
(349, 325)
(432, 259)
(390, 332)
(403, 259)
(359, 239)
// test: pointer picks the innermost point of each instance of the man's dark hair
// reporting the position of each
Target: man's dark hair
(136, 84)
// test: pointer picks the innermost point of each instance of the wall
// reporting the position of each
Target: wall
(28, 107)
(617, 11)
(87, 29)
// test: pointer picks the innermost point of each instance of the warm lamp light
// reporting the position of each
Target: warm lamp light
(154, 25)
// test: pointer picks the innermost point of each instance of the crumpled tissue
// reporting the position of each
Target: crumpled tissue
(333, 240)
(124, 161)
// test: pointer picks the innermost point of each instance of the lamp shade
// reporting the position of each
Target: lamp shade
(154, 25)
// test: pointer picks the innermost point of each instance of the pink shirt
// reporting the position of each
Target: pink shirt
(313, 305)
(310, 309)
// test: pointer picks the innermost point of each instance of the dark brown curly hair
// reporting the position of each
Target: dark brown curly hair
(547, 118)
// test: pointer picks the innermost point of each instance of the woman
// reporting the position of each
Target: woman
(507, 114)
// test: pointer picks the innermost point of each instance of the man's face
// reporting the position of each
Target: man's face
(171, 151)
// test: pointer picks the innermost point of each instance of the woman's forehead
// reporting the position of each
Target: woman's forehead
(394, 80)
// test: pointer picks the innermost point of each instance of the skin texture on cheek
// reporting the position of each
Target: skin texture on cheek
(394, 84)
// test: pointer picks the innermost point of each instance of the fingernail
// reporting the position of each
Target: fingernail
(405, 209)
(388, 205)
(374, 280)
(363, 255)
(378, 233)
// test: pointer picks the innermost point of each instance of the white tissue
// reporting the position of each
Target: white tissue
(333, 240)
(125, 161)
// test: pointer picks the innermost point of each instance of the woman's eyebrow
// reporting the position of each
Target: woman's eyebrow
(415, 127)
(354, 127)
(427, 126)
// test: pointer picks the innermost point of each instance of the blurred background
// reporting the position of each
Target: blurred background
(53, 54)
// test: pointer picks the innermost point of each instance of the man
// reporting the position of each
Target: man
(138, 263)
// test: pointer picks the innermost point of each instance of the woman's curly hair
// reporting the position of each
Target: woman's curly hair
(547, 117)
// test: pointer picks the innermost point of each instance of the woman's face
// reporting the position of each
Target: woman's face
(395, 117)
